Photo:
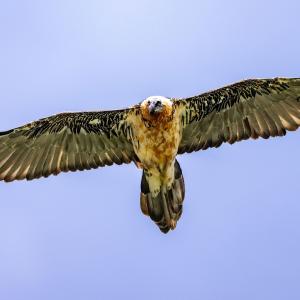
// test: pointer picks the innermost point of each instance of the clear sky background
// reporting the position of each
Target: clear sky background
(82, 235)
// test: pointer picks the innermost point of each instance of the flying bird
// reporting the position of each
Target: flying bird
(151, 134)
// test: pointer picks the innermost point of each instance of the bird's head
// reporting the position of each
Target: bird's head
(157, 108)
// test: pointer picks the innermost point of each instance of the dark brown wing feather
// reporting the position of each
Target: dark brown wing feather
(65, 142)
(248, 109)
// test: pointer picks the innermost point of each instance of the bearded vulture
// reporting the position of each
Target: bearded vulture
(151, 134)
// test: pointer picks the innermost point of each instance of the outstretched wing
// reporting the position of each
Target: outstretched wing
(65, 142)
(248, 109)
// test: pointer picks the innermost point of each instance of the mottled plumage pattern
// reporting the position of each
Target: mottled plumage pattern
(248, 109)
(65, 142)
(151, 134)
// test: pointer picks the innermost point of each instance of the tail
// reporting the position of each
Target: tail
(166, 208)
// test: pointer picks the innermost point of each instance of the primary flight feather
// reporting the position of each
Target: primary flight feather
(151, 134)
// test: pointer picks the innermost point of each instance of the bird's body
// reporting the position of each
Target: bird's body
(152, 134)
(156, 141)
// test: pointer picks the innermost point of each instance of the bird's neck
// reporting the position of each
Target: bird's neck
(161, 118)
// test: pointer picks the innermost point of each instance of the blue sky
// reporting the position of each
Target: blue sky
(82, 235)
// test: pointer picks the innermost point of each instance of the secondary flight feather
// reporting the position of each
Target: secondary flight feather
(151, 134)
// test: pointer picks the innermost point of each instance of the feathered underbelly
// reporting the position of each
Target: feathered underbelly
(156, 148)
(157, 153)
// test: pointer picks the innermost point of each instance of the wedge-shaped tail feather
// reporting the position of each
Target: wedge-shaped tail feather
(166, 208)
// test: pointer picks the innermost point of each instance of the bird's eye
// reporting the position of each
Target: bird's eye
(158, 103)
(149, 102)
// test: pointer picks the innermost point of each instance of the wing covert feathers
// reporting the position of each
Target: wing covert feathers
(81, 141)
(65, 142)
(248, 109)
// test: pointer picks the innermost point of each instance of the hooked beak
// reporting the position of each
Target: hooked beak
(155, 107)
